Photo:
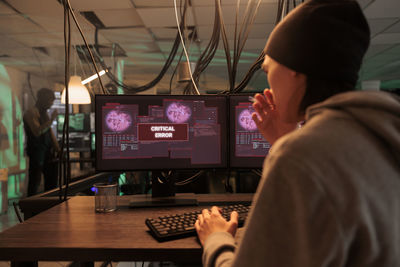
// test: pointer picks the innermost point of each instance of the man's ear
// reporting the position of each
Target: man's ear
(298, 75)
(294, 73)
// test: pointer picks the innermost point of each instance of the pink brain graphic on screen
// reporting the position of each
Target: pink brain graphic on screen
(178, 113)
(246, 121)
(118, 121)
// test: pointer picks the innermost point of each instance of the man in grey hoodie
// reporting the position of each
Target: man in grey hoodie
(330, 191)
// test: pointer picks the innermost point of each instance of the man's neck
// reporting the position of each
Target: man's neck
(41, 109)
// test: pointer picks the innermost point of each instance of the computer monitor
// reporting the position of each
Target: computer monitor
(79, 131)
(161, 132)
(78, 122)
(79, 142)
(248, 147)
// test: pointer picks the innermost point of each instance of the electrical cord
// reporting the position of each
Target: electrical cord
(239, 43)
(253, 69)
(40, 65)
(173, 73)
(131, 89)
(190, 179)
(86, 44)
(247, 26)
(64, 170)
(226, 44)
(179, 60)
(208, 54)
(65, 167)
(84, 72)
(184, 48)
(257, 64)
(88, 61)
(30, 86)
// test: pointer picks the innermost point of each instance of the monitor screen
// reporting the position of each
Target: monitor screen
(78, 122)
(248, 147)
(79, 142)
(158, 132)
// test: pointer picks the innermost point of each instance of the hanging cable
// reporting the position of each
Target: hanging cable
(190, 179)
(257, 64)
(133, 89)
(86, 44)
(244, 31)
(30, 86)
(173, 73)
(64, 167)
(225, 43)
(88, 61)
(253, 69)
(184, 48)
(208, 54)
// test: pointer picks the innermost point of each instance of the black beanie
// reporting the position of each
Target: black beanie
(323, 38)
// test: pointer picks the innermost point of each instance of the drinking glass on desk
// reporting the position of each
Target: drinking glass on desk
(105, 197)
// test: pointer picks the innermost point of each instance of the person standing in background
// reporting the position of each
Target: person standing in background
(42, 146)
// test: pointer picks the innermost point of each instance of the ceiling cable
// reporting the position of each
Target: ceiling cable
(64, 171)
(184, 48)
(208, 53)
(86, 44)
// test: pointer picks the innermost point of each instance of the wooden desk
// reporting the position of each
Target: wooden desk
(72, 231)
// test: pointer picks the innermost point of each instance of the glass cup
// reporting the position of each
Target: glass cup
(105, 197)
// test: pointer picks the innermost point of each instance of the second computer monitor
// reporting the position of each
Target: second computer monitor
(78, 122)
(248, 148)
(159, 132)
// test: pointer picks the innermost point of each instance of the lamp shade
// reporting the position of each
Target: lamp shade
(78, 94)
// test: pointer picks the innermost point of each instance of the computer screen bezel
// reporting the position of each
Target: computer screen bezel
(126, 165)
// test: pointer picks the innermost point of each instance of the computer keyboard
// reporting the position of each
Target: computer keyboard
(182, 225)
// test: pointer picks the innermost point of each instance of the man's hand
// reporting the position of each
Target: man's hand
(267, 119)
(207, 223)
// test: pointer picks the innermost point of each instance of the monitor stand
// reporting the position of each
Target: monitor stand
(163, 194)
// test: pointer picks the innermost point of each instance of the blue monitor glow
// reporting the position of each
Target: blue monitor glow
(248, 148)
(161, 132)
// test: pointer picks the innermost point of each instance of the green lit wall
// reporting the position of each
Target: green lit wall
(12, 133)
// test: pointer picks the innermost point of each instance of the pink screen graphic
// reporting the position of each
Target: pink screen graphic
(118, 121)
(249, 142)
(178, 113)
(246, 121)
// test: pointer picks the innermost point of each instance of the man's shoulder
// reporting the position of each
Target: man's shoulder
(318, 137)
(31, 113)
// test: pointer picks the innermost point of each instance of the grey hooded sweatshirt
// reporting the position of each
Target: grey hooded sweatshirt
(329, 193)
